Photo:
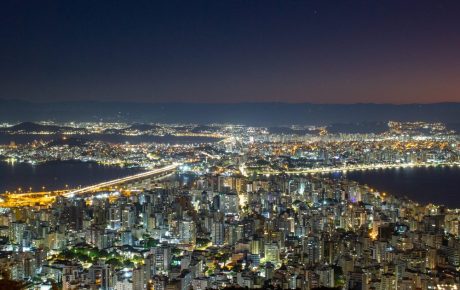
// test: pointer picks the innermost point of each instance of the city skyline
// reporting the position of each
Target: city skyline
(136, 206)
(229, 144)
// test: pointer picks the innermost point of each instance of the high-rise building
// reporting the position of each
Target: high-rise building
(217, 233)
(187, 232)
(272, 253)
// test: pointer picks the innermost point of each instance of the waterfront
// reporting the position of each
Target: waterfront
(424, 185)
(438, 185)
(56, 175)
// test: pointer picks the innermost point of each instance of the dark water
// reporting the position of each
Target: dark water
(56, 175)
(24, 139)
(439, 185)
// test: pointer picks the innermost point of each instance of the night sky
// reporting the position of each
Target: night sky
(231, 51)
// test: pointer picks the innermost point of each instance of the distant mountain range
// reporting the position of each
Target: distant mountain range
(264, 114)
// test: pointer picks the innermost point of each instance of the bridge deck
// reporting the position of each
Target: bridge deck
(47, 197)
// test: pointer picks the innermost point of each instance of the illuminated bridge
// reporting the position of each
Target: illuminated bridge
(137, 181)
(124, 180)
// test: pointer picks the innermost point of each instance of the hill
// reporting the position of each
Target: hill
(266, 114)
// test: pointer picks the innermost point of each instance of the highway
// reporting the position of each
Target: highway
(122, 180)
(360, 168)
(46, 198)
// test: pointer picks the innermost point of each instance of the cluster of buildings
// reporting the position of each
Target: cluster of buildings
(220, 221)
(89, 129)
(216, 231)
(264, 149)
(337, 154)
(70, 149)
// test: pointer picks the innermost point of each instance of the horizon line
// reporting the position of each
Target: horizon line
(221, 103)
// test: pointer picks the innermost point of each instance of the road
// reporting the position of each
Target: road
(46, 198)
(122, 180)
(360, 168)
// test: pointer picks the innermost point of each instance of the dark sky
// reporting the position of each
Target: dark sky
(231, 51)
